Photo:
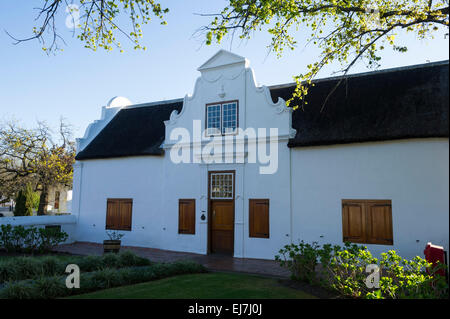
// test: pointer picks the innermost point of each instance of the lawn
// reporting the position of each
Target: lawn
(203, 286)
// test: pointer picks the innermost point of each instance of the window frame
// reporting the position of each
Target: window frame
(221, 129)
(211, 185)
(207, 118)
(366, 205)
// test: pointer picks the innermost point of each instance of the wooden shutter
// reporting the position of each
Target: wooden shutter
(186, 216)
(353, 222)
(125, 208)
(118, 214)
(259, 218)
(367, 221)
(112, 213)
(379, 223)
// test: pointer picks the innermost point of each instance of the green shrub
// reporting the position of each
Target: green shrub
(25, 267)
(25, 201)
(6, 237)
(18, 290)
(35, 199)
(106, 278)
(127, 258)
(49, 287)
(20, 208)
(110, 260)
(52, 287)
(50, 237)
(30, 239)
(21, 268)
(52, 265)
(402, 278)
(89, 263)
(345, 271)
(303, 259)
(5, 272)
(30, 196)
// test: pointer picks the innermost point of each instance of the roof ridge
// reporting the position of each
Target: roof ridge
(155, 103)
(368, 73)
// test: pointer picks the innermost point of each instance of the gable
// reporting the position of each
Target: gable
(222, 58)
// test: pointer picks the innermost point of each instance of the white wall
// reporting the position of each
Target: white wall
(138, 178)
(414, 174)
(67, 223)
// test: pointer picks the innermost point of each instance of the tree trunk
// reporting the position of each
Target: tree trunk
(43, 202)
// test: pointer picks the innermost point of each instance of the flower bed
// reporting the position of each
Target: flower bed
(352, 272)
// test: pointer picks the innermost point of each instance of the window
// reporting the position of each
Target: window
(221, 119)
(221, 186)
(186, 216)
(118, 214)
(367, 221)
(259, 218)
(57, 195)
(229, 118)
(213, 119)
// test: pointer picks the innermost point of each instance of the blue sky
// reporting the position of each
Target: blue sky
(77, 82)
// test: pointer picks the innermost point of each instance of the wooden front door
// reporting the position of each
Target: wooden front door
(222, 226)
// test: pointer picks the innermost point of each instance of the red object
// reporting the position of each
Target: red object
(435, 254)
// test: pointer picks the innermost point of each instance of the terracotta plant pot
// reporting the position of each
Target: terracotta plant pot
(111, 246)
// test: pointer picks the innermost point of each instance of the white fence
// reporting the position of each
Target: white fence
(67, 223)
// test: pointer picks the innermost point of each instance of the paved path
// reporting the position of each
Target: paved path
(212, 262)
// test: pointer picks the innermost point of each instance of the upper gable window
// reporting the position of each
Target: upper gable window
(221, 119)
(213, 119)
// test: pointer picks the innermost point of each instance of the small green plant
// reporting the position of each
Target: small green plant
(114, 235)
(6, 237)
(51, 237)
(301, 260)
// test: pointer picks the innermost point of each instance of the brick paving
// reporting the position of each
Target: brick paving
(211, 262)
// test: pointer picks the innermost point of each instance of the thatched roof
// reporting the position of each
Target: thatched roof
(400, 103)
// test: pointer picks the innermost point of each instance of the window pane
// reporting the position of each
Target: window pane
(213, 119)
(229, 118)
(222, 185)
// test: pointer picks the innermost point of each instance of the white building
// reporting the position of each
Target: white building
(59, 200)
(371, 167)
